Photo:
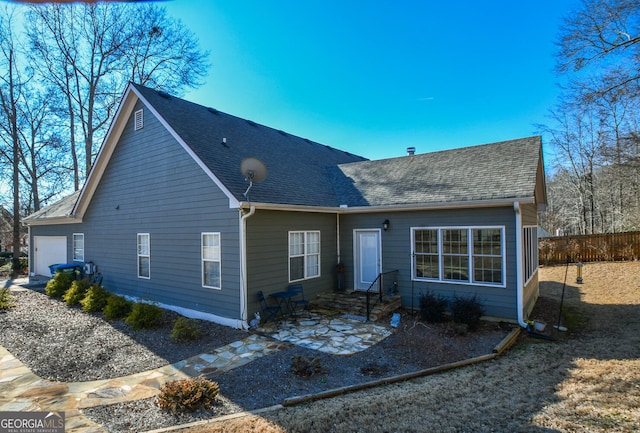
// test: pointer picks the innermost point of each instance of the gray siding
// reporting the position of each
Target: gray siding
(396, 253)
(151, 185)
(268, 252)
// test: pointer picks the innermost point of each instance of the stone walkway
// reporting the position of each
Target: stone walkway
(22, 390)
(338, 335)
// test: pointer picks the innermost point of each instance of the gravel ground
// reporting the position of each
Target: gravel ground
(65, 344)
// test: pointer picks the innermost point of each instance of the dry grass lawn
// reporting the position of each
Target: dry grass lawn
(587, 380)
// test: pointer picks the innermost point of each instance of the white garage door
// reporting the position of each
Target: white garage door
(49, 250)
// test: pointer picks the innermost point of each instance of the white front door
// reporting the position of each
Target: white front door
(367, 259)
(48, 250)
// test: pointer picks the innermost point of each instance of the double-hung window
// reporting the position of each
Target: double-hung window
(78, 247)
(467, 255)
(487, 255)
(427, 262)
(211, 260)
(304, 255)
(144, 255)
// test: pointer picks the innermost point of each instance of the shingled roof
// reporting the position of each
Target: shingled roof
(496, 171)
(297, 167)
(58, 210)
(302, 172)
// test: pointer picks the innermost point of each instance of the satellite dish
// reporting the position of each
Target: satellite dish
(253, 170)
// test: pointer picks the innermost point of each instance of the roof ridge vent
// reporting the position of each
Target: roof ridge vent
(164, 94)
(251, 122)
(282, 132)
(212, 110)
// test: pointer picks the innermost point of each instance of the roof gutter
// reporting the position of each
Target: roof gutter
(243, 267)
(519, 266)
(343, 209)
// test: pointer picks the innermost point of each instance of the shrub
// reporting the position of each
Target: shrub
(185, 330)
(95, 299)
(6, 299)
(467, 311)
(76, 292)
(433, 307)
(187, 395)
(145, 316)
(117, 307)
(59, 284)
(305, 366)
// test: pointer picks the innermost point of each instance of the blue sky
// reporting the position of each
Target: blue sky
(375, 77)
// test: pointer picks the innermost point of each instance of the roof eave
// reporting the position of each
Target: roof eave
(469, 204)
(51, 221)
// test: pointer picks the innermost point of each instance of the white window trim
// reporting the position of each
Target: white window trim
(305, 254)
(530, 260)
(470, 254)
(74, 248)
(203, 260)
(138, 120)
(138, 255)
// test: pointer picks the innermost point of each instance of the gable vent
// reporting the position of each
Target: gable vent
(139, 119)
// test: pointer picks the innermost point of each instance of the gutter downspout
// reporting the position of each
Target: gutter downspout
(32, 253)
(338, 237)
(519, 266)
(243, 267)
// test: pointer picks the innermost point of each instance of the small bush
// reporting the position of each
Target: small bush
(76, 292)
(187, 395)
(96, 299)
(6, 299)
(59, 284)
(117, 307)
(185, 330)
(467, 311)
(306, 366)
(433, 307)
(145, 316)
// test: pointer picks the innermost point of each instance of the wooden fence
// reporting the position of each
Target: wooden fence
(589, 248)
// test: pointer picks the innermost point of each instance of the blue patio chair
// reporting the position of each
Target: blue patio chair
(298, 303)
(269, 312)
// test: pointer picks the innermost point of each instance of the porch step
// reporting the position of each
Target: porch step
(355, 304)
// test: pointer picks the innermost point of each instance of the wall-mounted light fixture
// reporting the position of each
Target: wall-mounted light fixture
(385, 225)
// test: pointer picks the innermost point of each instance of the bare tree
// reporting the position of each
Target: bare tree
(43, 155)
(76, 49)
(603, 39)
(10, 90)
(88, 53)
(161, 53)
(594, 126)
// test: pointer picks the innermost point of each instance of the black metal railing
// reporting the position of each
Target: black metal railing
(379, 282)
